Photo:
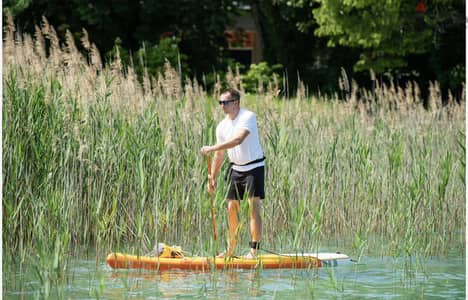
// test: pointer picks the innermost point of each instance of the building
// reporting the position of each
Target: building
(244, 39)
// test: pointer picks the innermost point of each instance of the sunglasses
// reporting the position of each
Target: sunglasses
(225, 102)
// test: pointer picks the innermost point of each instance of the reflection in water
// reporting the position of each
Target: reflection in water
(372, 278)
(168, 284)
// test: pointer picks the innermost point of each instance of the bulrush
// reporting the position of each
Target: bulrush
(95, 157)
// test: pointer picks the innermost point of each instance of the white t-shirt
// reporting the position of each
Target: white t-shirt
(250, 149)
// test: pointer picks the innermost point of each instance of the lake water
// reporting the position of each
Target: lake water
(371, 278)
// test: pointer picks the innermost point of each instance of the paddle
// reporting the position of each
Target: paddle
(213, 216)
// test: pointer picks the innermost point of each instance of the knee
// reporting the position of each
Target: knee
(255, 208)
(255, 214)
(233, 206)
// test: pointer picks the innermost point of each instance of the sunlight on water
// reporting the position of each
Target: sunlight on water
(371, 278)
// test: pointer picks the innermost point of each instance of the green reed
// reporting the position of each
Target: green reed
(102, 170)
(108, 177)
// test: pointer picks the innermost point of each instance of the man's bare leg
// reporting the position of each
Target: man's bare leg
(233, 211)
(255, 204)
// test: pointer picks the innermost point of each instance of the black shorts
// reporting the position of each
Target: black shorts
(251, 182)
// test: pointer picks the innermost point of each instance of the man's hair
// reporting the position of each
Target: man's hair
(233, 92)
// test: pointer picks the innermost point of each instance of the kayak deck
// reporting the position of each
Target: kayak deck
(265, 261)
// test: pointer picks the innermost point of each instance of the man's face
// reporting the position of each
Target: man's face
(227, 102)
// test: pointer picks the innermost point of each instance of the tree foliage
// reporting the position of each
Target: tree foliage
(304, 55)
(197, 24)
(387, 32)
(387, 36)
(261, 74)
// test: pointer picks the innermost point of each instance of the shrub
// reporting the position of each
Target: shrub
(259, 75)
(153, 57)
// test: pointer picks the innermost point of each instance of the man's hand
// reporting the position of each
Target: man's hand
(211, 184)
(205, 150)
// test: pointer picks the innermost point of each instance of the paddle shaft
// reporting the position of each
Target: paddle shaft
(213, 216)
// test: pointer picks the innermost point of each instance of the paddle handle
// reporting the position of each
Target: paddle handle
(213, 215)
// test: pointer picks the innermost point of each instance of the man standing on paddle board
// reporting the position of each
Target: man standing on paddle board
(238, 134)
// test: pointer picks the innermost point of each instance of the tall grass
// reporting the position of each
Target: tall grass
(95, 160)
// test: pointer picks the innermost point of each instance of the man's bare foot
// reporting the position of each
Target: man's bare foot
(225, 255)
(250, 255)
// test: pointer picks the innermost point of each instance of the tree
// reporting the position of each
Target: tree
(302, 53)
(395, 37)
(388, 36)
(389, 33)
(386, 31)
(199, 24)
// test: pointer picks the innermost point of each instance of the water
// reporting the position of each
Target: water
(371, 278)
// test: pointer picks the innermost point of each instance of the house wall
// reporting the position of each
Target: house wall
(245, 40)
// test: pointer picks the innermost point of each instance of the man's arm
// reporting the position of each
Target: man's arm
(218, 158)
(237, 139)
(217, 163)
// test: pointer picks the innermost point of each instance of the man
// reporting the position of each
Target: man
(238, 134)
